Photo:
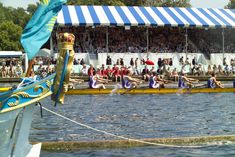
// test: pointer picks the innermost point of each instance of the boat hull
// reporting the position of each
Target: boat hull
(16, 114)
(149, 91)
(14, 99)
(88, 91)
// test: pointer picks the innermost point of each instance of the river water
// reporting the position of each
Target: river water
(139, 116)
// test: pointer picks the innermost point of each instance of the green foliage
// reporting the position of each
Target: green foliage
(20, 17)
(12, 22)
(176, 3)
(95, 2)
(9, 36)
(32, 8)
(169, 3)
(231, 4)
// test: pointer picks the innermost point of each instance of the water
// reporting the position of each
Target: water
(140, 116)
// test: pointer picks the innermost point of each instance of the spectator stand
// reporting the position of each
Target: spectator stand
(146, 17)
(98, 29)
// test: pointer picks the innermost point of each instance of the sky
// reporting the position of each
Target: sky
(194, 3)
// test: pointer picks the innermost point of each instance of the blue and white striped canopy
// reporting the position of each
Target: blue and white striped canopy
(146, 16)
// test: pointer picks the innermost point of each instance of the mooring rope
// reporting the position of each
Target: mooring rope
(118, 136)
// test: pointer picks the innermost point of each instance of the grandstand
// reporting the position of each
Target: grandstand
(148, 32)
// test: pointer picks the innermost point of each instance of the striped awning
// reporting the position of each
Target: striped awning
(146, 16)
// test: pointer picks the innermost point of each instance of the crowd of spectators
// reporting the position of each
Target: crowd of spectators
(134, 40)
(120, 40)
(211, 40)
(11, 67)
(163, 66)
(115, 70)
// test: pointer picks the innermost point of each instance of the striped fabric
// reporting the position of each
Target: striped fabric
(146, 16)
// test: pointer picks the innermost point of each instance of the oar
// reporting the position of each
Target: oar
(168, 81)
(203, 85)
(126, 91)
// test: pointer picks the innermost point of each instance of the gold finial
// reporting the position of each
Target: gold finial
(66, 40)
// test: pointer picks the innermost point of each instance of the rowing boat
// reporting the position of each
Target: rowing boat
(149, 91)
(4, 89)
(88, 91)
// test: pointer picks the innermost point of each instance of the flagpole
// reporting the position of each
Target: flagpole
(30, 67)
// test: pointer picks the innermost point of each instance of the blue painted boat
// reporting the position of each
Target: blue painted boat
(17, 104)
(16, 111)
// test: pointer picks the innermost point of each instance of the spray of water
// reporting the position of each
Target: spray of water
(114, 91)
(179, 92)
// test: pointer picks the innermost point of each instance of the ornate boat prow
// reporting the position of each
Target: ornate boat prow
(16, 111)
(26, 95)
(16, 105)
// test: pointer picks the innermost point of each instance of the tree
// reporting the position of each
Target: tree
(2, 13)
(20, 17)
(156, 3)
(231, 4)
(32, 8)
(10, 36)
(166, 3)
(95, 2)
(176, 3)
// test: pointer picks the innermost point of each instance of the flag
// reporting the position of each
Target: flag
(39, 28)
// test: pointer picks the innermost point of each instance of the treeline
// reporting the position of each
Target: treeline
(13, 20)
(157, 3)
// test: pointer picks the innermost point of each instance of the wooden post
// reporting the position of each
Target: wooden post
(30, 67)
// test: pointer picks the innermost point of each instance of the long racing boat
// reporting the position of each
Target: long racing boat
(89, 91)
(149, 91)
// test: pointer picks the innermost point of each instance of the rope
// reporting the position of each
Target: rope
(117, 136)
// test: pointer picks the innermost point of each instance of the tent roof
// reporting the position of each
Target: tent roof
(4, 54)
(146, 16)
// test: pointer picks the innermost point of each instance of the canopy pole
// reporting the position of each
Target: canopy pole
(223, 41)
(147, 48)
(107, 39)
(186, 42)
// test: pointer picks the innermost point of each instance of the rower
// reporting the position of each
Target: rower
(234, 83)
(93, 81)
(156, 81)
(213, 83)
(185, 82)
(129, 82)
